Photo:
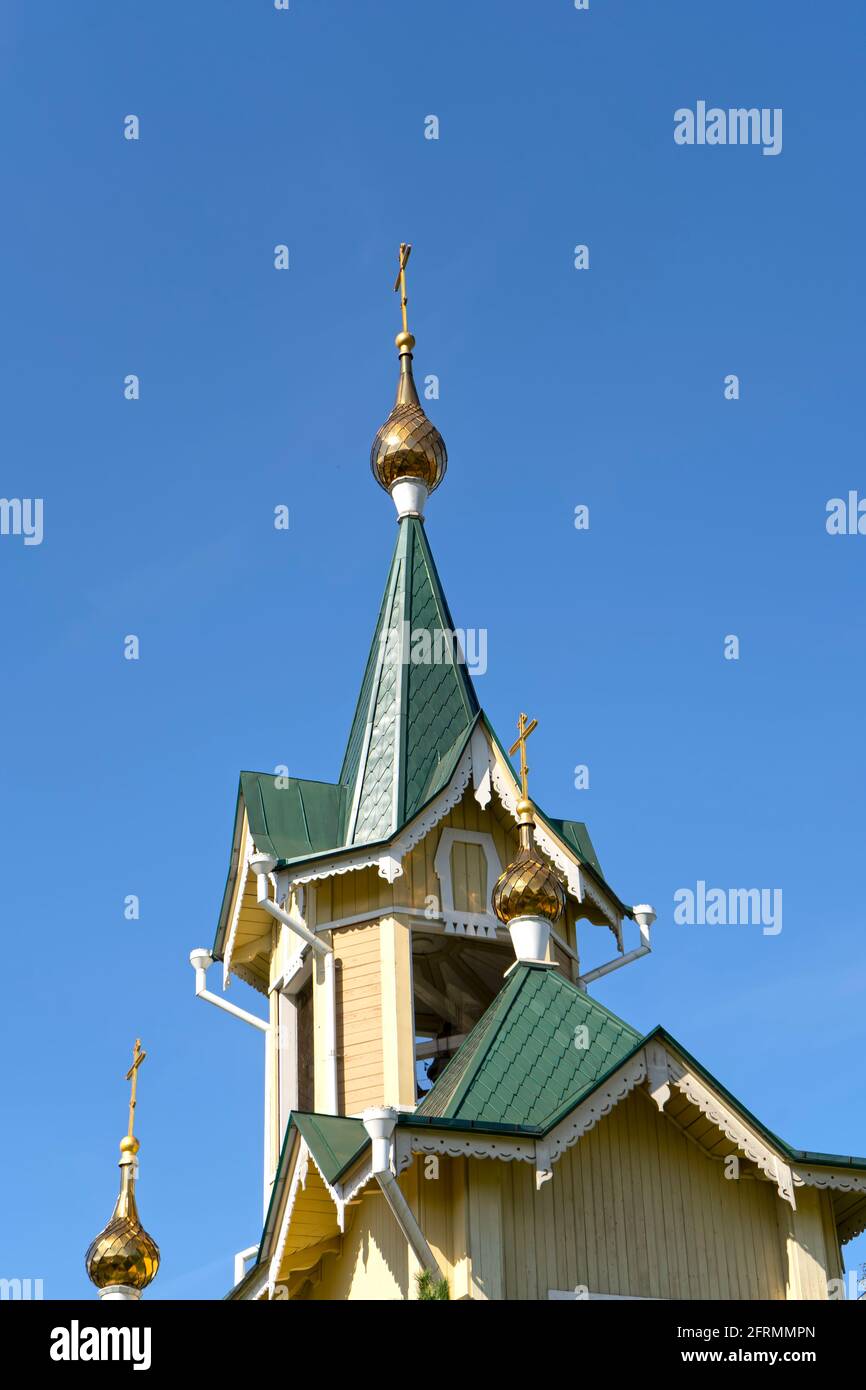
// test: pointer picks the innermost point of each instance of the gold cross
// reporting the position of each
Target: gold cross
(400, 282)
(524, 729)
(138, 1057)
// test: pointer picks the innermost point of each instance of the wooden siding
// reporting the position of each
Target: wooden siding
(636, 1208)
(633, 1209)
(360, 1072)
(377, 1263)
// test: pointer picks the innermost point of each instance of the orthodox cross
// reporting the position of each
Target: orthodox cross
(524, 729)
(400, 282)
(138, 1057)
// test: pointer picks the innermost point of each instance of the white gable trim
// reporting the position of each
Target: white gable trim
(387, 857)
(660, 1069)
(731, 1124)
(243, 871)
(340, 1194)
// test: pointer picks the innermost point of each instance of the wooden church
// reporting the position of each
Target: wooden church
(448, 1111)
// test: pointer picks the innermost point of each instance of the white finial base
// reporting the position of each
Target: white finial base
(409, 496)
(120, 1291)
(530, 937)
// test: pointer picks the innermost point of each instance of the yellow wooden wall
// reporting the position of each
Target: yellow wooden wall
(359, 1018)
(377, 1263)
(634, 1208)
(637, 1208)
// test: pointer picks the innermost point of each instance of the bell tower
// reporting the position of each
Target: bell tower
(364, 909)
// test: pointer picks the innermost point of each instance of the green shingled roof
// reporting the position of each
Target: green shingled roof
(417, 703)
(538, 1050)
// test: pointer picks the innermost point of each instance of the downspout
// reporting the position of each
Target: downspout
(644, 916)
(201, 960)
(262, 865)
(379, 1124)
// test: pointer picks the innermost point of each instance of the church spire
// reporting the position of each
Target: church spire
(408, 457)
(123, 1259)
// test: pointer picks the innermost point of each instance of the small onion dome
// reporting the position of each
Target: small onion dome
(123, 1253)
(527, 888)
(408, 445)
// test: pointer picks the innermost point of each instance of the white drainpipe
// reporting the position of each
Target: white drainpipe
(241, 1259)
(201, 960)
(262, 865)
(379, 1124)
(644, 916)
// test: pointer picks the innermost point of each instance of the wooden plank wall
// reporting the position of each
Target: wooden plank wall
(636, 1208)
(360, 1072)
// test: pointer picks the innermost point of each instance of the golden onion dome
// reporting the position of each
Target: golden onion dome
(123, 1253)
(408, 445)
(528, 887)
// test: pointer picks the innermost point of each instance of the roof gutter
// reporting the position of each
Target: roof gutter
(380, 1123)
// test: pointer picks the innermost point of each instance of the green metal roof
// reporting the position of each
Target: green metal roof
(417, 702)
(576, 835)
(541, 1046)
(291, 818)
(520, 1069)
(335, 1141)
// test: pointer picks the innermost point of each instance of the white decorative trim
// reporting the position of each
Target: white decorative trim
(771, 1164)
(411, 836)
(298, 1183)
(839, 1182)
(504, 1147)
(362, 1177)
(340, 1195)
(658, 1075)
(852, 1225)
(243, 871)
(482, 761)
(458, 922)
(390, 868)
(605, 906)
(587, 1115)
(249, 978)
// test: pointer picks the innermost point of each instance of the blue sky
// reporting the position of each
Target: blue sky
(559, 387)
